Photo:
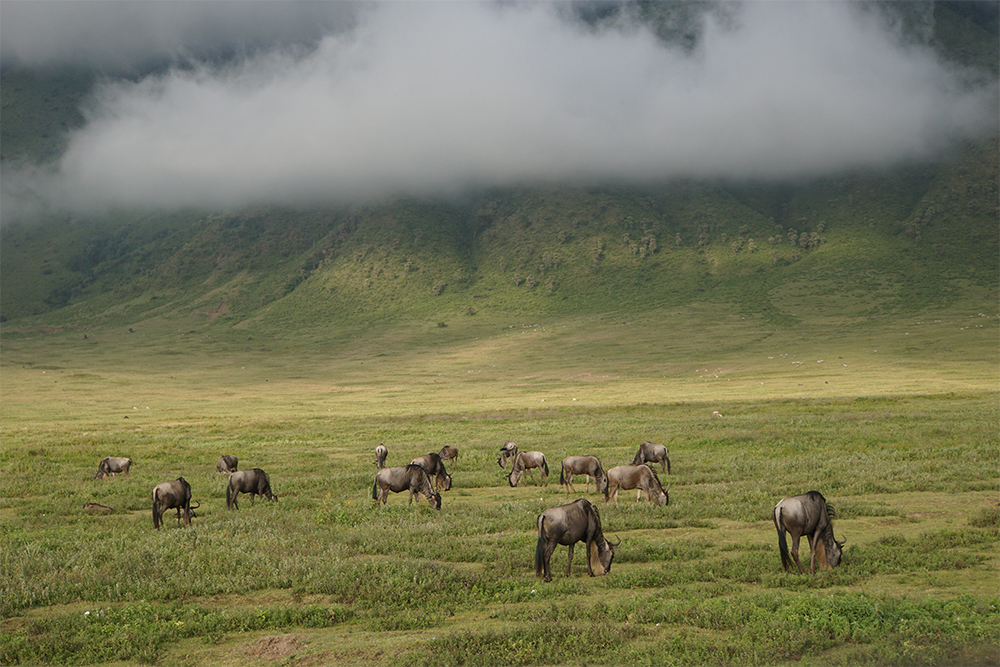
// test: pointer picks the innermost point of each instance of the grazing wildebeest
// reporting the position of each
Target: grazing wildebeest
(811, 516)
(169, 495)
(650, 452)
(227, 464)
(410, 478)
(509, 450)
(112, 465)
(255, 482)
(578, 521)
(434, 466)
(638, 477)
(590, 466)
(380, 453)
(526, 461)
(449, 453)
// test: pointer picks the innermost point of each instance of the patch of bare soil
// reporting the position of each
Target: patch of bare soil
(275, 646)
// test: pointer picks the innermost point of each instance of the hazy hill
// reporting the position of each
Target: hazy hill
(906, 241)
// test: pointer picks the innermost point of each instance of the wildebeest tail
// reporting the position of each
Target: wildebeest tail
(375, 490)
(562, 475)
(545, 464)
(540, 547)
(156, 511)
(779, 524)
(229, 494)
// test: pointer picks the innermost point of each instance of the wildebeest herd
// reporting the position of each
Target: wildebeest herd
(807, 515)
(176, 494)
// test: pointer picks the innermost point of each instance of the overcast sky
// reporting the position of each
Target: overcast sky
(333, 101)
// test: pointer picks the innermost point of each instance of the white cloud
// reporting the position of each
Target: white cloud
(432, 97)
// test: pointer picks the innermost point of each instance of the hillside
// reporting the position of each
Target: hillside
(901, 242)
(529, 251)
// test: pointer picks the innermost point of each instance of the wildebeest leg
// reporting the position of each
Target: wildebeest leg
(638, 495)
(795, 552)
(814, 541)
(383, 495)
(569, 563)
(550, 548)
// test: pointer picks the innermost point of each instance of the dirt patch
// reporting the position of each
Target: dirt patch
(221, 309)
(275, 646)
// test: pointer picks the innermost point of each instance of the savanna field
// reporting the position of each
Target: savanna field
(897, 428)
(835, 330)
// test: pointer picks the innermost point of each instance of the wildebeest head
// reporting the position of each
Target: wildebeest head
(835, 551)
(607, 554)
(508, 450)
(435, 500)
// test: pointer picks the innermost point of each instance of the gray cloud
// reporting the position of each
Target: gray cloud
(429, 97)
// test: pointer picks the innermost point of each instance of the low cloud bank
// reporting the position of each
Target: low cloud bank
(432, 98)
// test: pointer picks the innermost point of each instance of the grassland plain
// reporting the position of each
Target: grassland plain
(894, 420)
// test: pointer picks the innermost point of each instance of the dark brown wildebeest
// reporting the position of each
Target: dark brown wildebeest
(112, 465)
(380, 453)
(227, 464)
(508, 451)
(449, 453)
(255, 482)
(526, 461)
(169, 495)
(638, 477)
(410, 478)
(434, 466)
(650, 452)
(590, 466)
(811, 516)
(578, 521)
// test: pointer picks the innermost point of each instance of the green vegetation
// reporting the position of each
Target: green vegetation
(846, 330)
(324, 575)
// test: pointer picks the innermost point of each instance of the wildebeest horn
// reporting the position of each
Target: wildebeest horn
(194, 507)
(841, 542)
(616, 543)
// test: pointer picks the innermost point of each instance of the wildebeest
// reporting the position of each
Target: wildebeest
(526, 461)
(227, 464)
(578, 521)
(169, 495)
(638, 477)
(434, 466)
(112, 465)
(508, 451)
(410, 478)
(256, 482)
(650, 452)
(380, 453)
(590, 466)
(449, 453)
(811, 516)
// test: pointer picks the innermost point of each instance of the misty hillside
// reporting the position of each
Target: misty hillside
(905, 239)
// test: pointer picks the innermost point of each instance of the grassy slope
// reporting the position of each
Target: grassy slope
(299, 339)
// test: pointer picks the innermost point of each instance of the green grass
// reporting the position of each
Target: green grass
(903, 441)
